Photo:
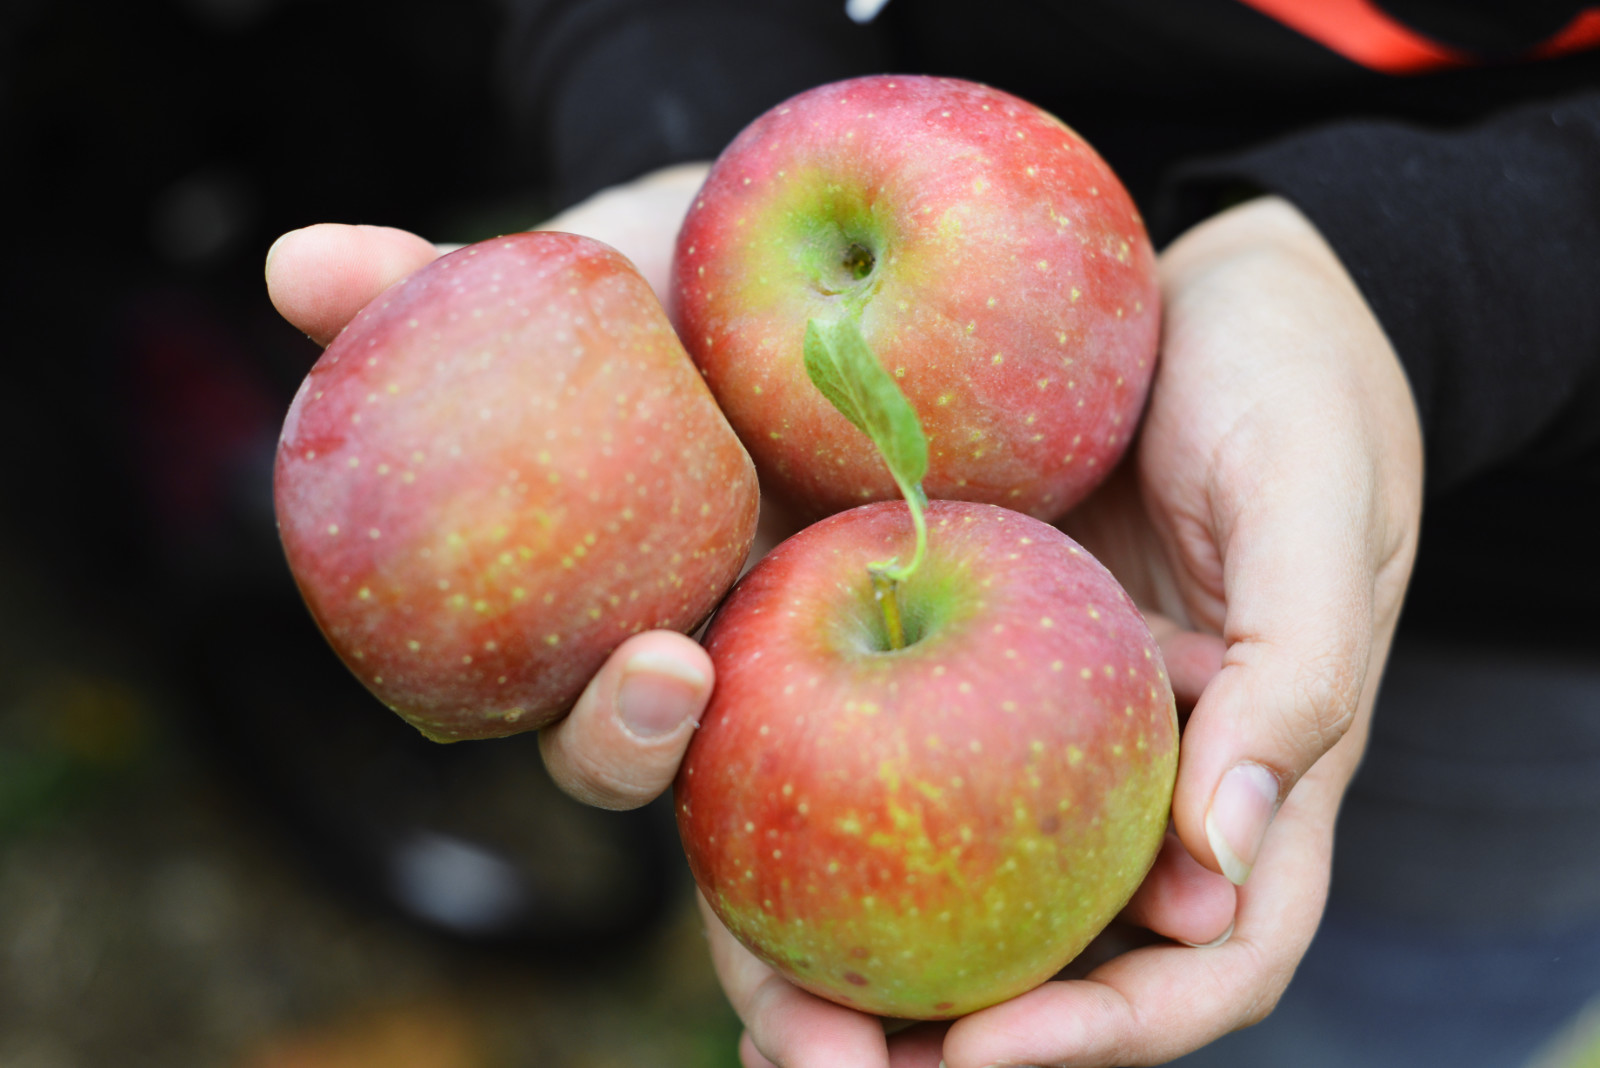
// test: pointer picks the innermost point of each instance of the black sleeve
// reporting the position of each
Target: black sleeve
(609, 89)
(1479, 251)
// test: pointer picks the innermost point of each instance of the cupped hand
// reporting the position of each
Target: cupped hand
(1273, 503)
(622, 742)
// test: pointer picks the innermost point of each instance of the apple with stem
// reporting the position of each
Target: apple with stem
(994, 262)
(940, 753)
(501, 469)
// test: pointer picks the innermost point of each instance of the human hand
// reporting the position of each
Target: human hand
(1274, 500)
(620, 745)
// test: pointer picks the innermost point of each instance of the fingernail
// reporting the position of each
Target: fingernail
(266, 268)
(1214, 943)
(1241, 809)
(657, 694)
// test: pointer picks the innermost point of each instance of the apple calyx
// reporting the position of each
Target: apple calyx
(842, 366)
(859, 261)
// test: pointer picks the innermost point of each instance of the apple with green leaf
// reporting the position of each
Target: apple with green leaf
(992, 259)
(501, 469)
(940, 753)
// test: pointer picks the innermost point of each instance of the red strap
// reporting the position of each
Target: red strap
(1361, 31)
(1583, 32)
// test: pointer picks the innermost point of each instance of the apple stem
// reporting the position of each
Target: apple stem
(884, 588)
(887, 576)
(917, 502)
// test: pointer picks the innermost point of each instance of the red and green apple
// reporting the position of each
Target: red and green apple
(995, 263)
(501, 469)
(924, 831)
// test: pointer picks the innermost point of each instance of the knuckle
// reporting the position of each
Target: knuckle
(597, 778)
(1327, 689)
(1273, 975)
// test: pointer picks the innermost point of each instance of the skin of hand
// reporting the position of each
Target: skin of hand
(1266, 522)
(1274, 500)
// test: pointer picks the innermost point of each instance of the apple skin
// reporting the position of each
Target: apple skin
(501, 469)
(924, 832)
(1013, 290)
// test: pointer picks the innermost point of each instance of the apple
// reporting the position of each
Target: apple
(923, 831)
(997, 267)
(501, 469)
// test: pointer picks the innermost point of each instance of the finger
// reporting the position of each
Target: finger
(1192, 658)
(1160, 1002)
(1183, 900)
(1192, 661)
(620, 745)
(785, 1024)
(751, 1057)
(1102, 1022)
(320, 276)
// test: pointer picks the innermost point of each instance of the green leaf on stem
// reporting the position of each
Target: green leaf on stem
(841, 364)
(843, 367)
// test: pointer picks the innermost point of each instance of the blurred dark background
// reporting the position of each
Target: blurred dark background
(215, 849)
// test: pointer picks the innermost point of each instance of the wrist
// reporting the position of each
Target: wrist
(1266, 226)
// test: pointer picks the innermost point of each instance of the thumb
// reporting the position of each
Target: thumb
(319, 277)
(1299, 629)
(622, 742)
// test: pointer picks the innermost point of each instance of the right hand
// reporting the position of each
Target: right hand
(620, 745)
(1272, 510)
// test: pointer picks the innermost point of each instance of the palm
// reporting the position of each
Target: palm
(1127, 531)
